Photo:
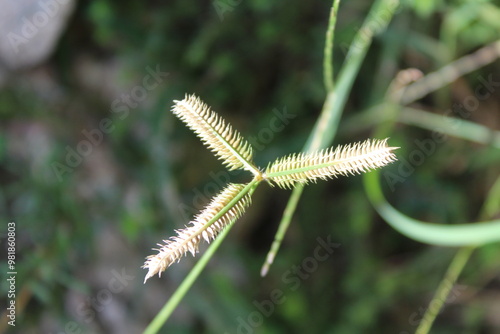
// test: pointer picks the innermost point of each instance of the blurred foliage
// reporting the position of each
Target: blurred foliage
(126, 195)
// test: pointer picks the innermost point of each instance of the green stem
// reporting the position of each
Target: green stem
(491, 205)
(444, 289)
(328, 51)
(285, 222)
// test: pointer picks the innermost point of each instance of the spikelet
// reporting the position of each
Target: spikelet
(219, 136)
(328, 163)
(207, 224)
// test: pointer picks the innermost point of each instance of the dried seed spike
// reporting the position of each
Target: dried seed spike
(344, 160)
(205, 225)
(219, 136)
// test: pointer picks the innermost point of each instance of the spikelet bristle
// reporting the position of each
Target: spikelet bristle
(188, 239)
(227, 143)
(345, 160)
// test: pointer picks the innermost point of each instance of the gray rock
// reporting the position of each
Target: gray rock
(29, 31)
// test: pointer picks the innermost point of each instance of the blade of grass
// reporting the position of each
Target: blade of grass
(326, 126)
(471, 234)
(427, 120)
(162, 316)
(451, 126)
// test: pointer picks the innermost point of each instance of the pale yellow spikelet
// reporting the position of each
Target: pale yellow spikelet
(324, 164)
(206, 225)
(217, 134)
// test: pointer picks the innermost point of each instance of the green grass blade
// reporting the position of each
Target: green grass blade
(450, 126)
(471, 234)
(327, 124)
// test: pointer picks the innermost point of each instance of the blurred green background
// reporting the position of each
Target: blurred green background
(84, 227)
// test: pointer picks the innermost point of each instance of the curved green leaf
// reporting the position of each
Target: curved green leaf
(471, 234)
